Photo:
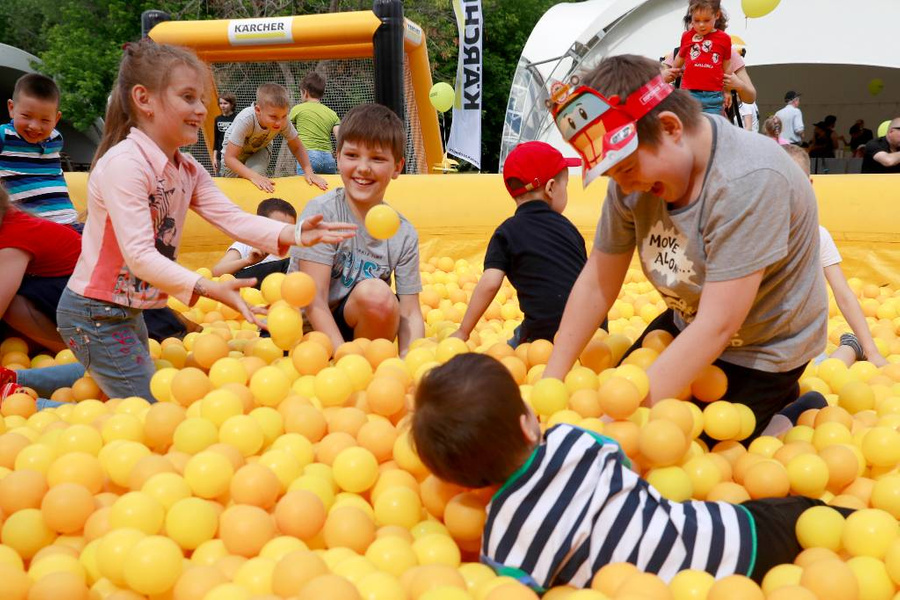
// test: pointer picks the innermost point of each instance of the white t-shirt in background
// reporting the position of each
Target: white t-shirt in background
(827, 249)
(244, 250)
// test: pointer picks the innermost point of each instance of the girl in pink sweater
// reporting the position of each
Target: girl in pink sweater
(140, 189)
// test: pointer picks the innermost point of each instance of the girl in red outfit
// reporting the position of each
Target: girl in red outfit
(705, 54)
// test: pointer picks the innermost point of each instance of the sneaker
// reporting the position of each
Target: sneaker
(8, 389)
(848, 339)
(808, 401)
(7, 376)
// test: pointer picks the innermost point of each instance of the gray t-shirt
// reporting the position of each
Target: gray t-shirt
(361, 257)
(246, 132)
(756, 211)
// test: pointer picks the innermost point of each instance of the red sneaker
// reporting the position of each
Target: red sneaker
(8, 389)
(7, 376)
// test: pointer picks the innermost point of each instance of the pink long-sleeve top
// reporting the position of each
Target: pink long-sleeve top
(137, 204)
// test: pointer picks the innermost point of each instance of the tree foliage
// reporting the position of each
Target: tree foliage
(80, 43)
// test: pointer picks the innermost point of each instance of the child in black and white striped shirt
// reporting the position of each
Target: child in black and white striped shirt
(568, 502)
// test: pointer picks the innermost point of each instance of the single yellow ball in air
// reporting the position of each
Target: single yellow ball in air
(382, 222)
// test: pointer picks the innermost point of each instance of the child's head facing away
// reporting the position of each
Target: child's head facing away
(34, 107)
(313, 85)
(705, 16)
(799, 156)
(663, 161)
(370, 149)
(470, 425)
(538, 171)
(278, 209)
(272, 104)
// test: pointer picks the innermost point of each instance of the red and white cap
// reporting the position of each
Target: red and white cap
(534, 164)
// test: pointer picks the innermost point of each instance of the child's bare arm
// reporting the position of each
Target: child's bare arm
(484, 292)
(231, 161)
(233, 261)
(412, 326)
(853, 314)
(678, 61)
(592, 296)
(726, 66)
(15, 263)
(299, 151)
(318, 313)
(723, 307)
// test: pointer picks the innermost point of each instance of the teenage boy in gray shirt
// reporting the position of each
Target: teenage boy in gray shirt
(726, 229)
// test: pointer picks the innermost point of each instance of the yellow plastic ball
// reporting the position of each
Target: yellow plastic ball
(382, 222)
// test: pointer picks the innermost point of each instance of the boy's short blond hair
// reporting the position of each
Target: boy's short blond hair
(272, 94)
(374, 125)
(800, 157)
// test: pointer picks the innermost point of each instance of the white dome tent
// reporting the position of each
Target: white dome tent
(828, 50)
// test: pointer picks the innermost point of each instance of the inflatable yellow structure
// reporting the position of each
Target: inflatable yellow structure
(455, 215)
(345, 35)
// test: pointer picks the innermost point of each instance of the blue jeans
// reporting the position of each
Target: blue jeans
(110, 341)
(710, 102)
(47, 380)
(322, 163)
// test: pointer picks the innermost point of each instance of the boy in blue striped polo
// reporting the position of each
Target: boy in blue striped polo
(568, 502)
(30, 168)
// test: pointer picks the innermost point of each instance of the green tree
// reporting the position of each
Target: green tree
(507, 26)
(80, 43)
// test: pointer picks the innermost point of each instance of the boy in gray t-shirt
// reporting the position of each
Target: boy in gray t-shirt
(353, 279)
(246, 150)
(725, 227)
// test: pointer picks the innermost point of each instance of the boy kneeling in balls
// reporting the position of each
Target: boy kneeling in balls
(569, 503)
(725, 227)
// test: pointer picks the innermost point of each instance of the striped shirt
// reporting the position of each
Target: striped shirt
(32, 174)
(574, 507)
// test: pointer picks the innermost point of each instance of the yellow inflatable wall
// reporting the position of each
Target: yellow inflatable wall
(456, 214)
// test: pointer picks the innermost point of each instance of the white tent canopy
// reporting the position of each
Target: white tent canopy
(828, 50)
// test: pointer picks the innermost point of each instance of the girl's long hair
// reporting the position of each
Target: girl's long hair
(143, 63)
(772, 127)
(714, 6)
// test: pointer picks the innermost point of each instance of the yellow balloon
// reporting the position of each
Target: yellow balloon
(442, 96)
(755, 9)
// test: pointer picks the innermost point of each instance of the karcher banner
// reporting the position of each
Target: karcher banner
(465, 133)
(256, 32)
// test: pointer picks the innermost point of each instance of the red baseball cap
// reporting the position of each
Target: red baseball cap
(534, 163)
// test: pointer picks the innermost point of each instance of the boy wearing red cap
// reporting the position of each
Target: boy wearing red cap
(726, 230)
(538, 249)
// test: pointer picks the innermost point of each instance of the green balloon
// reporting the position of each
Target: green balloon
(883, 128)
(876, 86)
(442, 96)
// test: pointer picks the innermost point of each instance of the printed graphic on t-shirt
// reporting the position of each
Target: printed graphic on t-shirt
(664, 252)
(163, 223)
(128, 287)
(352, 267)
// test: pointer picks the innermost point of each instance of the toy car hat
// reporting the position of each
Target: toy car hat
(602, 130)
